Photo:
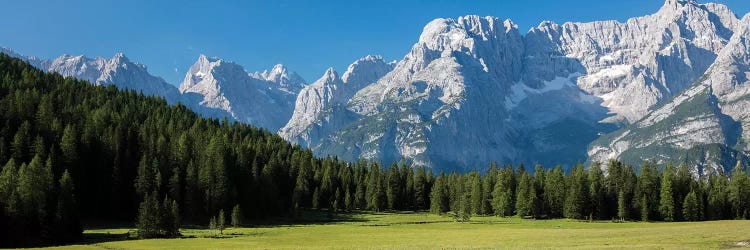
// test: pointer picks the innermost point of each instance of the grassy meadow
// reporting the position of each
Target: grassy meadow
(427, 231)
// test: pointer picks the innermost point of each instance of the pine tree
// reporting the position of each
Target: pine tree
(220, 222)
(236, 216)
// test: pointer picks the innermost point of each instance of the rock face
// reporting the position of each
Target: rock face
(287, 81)
(118, 70)
(320, 107)
(224, 88)
(705, 126)
(648, 59)
(474, 90)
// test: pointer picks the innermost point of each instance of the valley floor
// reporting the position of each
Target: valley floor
(427, 231)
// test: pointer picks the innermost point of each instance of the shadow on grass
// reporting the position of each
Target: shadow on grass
(312, 217)
(304, 218)
(96, 238)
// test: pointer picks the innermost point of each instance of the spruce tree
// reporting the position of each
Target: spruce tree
(174, 210)
(67, 222)
(691, 210)
(421, 195)
(597, 191)
(236, 216)
(69, 144)
(502, 196)
(648, 191)
(477, 198)
(718, 205)
(739, 192)
(212, 223)
(21, 142)
(622, 206)
(35, 182)
(438, 196)
(577, 198)
(8, 186)
(645, 209)
(488, 185)
(393, 180)
(666, 201)
(220, 223)
(149, 217)
(525, 196)
(554, 192)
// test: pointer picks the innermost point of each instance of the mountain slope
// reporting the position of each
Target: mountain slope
(224, 88)
(473, 89)
(705, 126)
(319, 109)
(118, 71)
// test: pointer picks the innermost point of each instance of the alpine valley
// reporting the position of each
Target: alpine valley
(673, 86)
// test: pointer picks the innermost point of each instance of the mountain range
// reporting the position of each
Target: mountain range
(667, 87)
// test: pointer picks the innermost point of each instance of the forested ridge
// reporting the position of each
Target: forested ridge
(73, 152)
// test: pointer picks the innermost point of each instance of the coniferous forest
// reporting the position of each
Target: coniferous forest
(73, 153)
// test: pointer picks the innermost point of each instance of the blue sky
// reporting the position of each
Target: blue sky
(307, 36)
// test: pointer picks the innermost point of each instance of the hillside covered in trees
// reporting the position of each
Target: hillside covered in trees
(74, 153)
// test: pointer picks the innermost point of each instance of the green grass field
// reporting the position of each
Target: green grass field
(420, 231)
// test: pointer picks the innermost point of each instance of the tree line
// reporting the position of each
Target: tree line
(75, 152)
